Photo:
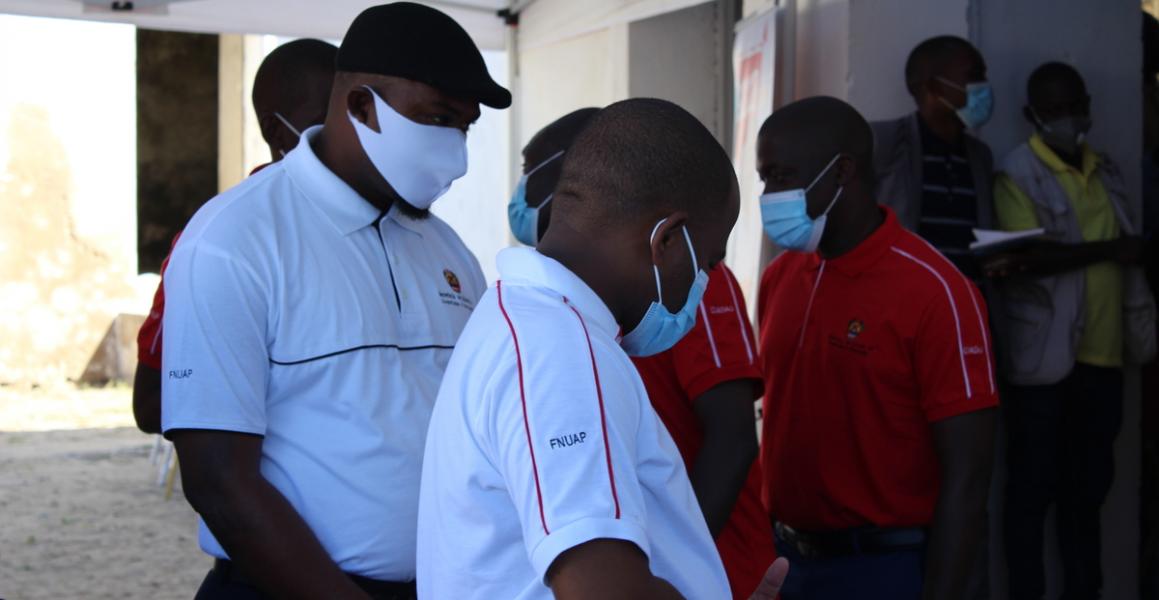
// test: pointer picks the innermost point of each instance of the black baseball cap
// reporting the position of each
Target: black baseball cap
(417, 42)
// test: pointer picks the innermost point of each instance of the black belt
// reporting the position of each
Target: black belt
(849, 542)
(379, 590)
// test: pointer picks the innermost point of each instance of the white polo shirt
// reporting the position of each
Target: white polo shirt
(294, 312)
(542, 439)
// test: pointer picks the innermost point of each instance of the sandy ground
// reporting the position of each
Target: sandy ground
(80, 514)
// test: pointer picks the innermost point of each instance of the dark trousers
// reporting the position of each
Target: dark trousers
(1061, 452)
(896, 575)
(224, 583)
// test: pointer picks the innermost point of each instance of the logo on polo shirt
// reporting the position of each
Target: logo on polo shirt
(570, 439)
(452, 280)
(856, 326)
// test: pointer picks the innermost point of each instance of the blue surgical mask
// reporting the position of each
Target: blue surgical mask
(979, 102)
(524, 219)
(785, 216)
(659, 330)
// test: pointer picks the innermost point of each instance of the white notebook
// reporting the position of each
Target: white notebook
(989, 240)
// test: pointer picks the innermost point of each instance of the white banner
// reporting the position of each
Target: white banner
(753, 59)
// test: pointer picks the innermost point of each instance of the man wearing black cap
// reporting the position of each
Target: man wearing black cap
(312, 311)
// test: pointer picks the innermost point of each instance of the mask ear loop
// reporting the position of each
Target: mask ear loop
(287, 123)
(543, 164)
(823, 172)
(656, 269)
(691, 254)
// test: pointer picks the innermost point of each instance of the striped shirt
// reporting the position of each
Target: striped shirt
(949, 208)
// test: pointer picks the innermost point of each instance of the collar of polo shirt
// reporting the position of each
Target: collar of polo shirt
(346, 209)
(537, 269)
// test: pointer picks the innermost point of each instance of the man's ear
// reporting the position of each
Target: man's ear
(1028, 114)
(269, 125)
(668, 233)
(360, 103)
(846, 169)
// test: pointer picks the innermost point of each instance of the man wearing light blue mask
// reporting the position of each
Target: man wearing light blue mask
(529, 210)
(547, 472)
(935, 175)
(702, 388)
(879, 386)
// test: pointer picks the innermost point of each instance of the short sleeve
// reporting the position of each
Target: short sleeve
(149, 336)
(216, 360)
(562, 422)
(1012, 206)
(953, 354)
(720, 347)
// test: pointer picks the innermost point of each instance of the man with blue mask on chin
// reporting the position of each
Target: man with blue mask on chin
(879, 385)
(703, 388)
(312, 311)
(930, 170)
(547, 472)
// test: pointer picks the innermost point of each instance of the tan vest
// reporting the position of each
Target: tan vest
(1044, 317)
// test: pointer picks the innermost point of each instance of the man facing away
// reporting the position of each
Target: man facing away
(547, 472)
(291, 91)
(702, 388)
(1067, 302)
(879, 401)
(312, 311)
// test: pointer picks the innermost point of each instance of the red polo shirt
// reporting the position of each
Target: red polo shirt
(719, 349)
(861, 353)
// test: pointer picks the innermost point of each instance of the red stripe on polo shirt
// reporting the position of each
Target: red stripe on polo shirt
(600, 397)
(523, 401)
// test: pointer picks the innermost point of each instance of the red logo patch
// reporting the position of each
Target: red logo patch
(452, 280)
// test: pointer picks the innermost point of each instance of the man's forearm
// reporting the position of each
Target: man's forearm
(271, 544)
(965, 446)
(147, 399)
(1060, 258)
(718, 476)
(954, 542)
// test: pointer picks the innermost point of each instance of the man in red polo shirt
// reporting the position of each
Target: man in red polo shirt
(291, 92)
(880, 395)
(703, 388)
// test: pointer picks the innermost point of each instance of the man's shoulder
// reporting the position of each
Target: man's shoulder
(924, 273)
(782, 265)
(240, 214)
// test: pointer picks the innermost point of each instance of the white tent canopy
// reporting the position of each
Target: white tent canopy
(289, 18)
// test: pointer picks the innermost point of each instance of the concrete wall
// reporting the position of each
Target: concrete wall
(880, 38)
(68, 221)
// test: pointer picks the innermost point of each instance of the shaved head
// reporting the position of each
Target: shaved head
(293, 82)
(643, 158)
(647, 197)
(1054, 80)
(556, 136)
(934, 58)
(819, 128)
(825, 147)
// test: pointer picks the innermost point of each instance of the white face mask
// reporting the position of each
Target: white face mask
(419, 161)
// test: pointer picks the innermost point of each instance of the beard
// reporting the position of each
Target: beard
(410, 210)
